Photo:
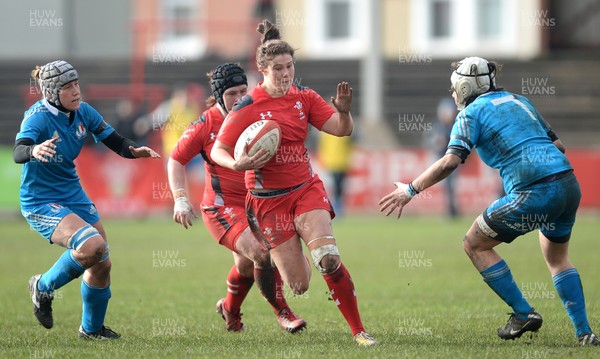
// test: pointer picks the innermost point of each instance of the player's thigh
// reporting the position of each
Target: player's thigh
(248, 246)
(477, 238)
(314, 227)
(516, 214)
(290, 261)
(100, 228)
(46, 219)
(79, 227)
(562, 210)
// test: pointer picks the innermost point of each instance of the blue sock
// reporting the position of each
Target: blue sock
(95, 303)
(62, 272)
(500, 279)
(570, 291)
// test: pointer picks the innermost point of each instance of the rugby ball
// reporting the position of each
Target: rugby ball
(261, 134)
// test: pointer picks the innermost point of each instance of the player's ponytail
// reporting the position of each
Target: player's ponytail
(35, 75)
(271, 44)
(268, 31)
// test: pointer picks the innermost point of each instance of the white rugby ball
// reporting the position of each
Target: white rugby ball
(261, 134)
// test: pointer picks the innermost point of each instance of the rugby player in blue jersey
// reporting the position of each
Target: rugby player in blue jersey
(52, 134)
(541, 192)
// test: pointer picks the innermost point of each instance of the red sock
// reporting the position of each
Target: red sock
(238, 287)
(342, 291)
(271, 287)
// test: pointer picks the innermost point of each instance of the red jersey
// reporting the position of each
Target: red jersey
(293, 112)
(223, 186)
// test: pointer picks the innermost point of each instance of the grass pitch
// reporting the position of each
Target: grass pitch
(418, 294)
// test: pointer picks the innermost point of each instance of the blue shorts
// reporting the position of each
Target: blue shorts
(548, 206)
(44, 218)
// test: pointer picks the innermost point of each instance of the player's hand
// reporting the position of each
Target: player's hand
(143, 151)
(183, 212)
(395, 200)
(45, 150)
(258, 160)
(343, 98)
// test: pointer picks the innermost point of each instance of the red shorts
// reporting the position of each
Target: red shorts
(272, 218)
(225, 224)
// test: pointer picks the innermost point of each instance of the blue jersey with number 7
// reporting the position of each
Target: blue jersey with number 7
(511, 136)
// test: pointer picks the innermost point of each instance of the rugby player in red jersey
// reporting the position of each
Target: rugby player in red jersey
(287, 200)
(222, 206)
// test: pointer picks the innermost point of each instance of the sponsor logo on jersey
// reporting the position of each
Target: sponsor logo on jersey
(80, 131)
(55, 134)
(92, 209)
(55, 207)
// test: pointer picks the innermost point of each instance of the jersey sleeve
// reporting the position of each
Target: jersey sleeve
(545, 125)
(319, 111)
(464, 135)
(235, 123)
(191, 141)
(99, 128)
(32, 127)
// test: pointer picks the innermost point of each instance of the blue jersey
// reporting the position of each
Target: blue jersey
(509, 135)
(56, 180)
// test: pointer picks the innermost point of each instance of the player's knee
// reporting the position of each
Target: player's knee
(102, 270)
(330, 263)
(93, 252)
(326, 258)
(298, 288)
(245, 268)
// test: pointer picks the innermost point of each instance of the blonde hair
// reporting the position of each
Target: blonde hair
(35, 74)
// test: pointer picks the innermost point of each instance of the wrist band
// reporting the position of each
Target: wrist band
(178, 193)
(411, 190)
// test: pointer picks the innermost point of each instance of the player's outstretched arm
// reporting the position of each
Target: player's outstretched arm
(341, 123)
(183, 211)
(396, 200)
(25, 150)
(143, 151)
(126, 148)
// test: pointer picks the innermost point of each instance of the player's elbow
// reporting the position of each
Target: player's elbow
(560, 146)
(218, 155)
(449, 163)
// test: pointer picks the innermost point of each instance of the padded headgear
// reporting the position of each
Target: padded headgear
(224, 77)
(55, 75)
(473, 77)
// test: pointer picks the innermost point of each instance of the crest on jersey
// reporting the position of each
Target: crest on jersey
(268, 232)
(80, 132)
(298, 106)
